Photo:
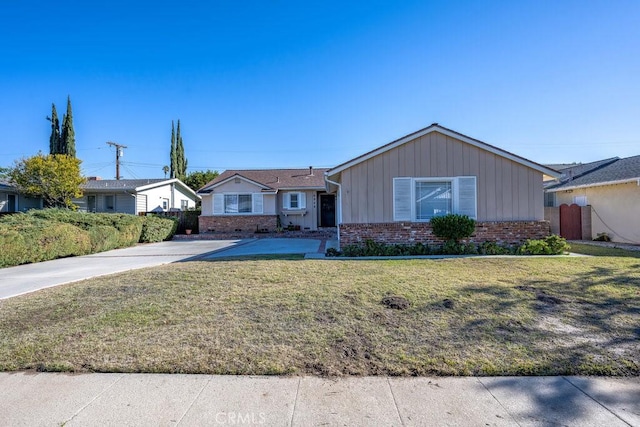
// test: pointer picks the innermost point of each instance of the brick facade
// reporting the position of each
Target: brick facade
(235, 223)
(408, 233)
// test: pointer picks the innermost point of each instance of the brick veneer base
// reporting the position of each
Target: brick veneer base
(233, 223)
(504, 232)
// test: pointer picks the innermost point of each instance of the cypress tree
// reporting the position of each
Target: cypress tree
(181, 160)
(54, 139)
(68, 137)
(173, 154)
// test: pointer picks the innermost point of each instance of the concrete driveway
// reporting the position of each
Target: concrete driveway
(27, 278)
(32, 277)
(268, 247)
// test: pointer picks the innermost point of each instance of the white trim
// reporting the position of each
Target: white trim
(168, 181)
(455, 195)
(436, 128)
(224, 181)
(597, 184)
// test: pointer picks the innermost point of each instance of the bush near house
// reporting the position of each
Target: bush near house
(157, 229)
(26, 239)
(550, 245)
(42, 235)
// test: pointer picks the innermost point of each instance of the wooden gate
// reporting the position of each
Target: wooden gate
(571, 222)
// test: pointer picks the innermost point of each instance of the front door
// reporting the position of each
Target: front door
(11, 203)
(327, 210)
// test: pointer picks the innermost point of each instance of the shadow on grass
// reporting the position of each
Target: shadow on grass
(589, 326)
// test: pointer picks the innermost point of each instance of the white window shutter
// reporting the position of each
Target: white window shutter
(256, 200)
(402, 199)
(302, 200)
(218, 204)
(467, 199)
(286, 200)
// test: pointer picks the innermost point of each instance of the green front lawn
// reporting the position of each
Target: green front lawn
(502, 316)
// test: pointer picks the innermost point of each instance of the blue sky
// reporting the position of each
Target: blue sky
(277, 83)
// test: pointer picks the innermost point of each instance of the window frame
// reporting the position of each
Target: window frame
(301, 202)
(404, 187)
(220, 207)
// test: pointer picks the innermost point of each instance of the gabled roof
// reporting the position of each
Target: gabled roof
(606, 172)
(133, 185)
(448, 132)
(574, 170)
(6, 186)
(118, 184)
(273, 179)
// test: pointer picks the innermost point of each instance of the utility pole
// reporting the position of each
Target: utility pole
(119, 153)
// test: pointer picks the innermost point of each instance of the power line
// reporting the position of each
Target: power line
(119, 153)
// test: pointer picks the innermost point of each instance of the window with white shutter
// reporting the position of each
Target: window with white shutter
(237, 204)
(294, 200)
(402, 199)
(420, 199)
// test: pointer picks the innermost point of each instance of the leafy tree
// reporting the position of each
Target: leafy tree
(54, 139)
(68, 135)
(55, 177)
(172, 154)
(198, 179)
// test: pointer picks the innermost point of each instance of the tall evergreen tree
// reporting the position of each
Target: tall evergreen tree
(68, 137)
(173, 154)
(181, 160)
(54, 139)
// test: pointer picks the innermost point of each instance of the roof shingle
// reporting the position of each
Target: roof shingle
(275, 179)
(599, 173)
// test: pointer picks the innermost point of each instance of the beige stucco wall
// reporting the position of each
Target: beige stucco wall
(232, 187)
(507, 191)
(615, 210)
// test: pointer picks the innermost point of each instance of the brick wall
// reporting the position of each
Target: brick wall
(231, 223)
(407, 233)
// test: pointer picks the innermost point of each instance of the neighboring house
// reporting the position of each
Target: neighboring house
(611, 187)
(262, 200)
(390, 194)
(134, 196)
(12, 201)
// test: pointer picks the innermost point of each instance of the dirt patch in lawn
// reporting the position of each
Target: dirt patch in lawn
(521, 316)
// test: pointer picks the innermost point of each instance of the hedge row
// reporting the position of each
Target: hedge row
(42, 235)
(550, 245)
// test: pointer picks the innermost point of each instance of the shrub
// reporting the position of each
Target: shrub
(129, 227)
(492, 248)
(157, 229)
(372, 248)
(453, 227)
(103, 238)
(26, 239)
(550, 245)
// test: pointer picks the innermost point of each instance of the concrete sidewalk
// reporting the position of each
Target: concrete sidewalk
(31, 277)
(165, 399)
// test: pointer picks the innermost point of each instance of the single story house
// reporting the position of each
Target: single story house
(134, 196)
(11, 200)
(265, 199)
(611, 187)
(390, 194)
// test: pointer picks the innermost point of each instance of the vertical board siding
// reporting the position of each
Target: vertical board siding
(507, 191)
